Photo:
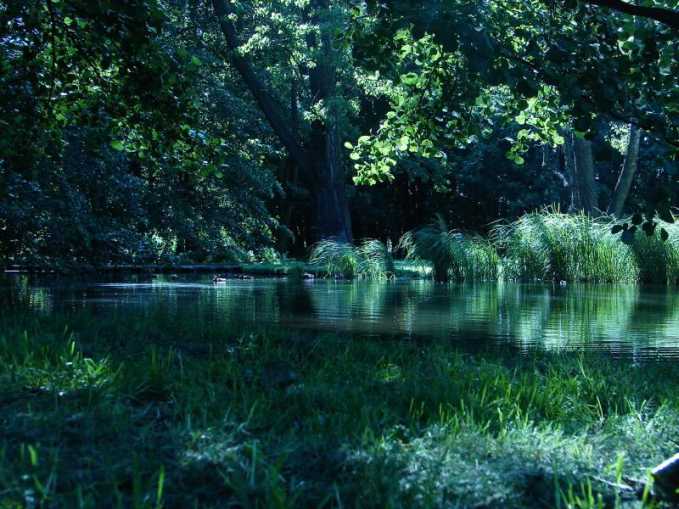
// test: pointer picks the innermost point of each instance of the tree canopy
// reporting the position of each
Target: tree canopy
(213, 130)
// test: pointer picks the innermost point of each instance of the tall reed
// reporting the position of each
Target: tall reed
(452, 255)
(550, 245)
(371, 259)
(658, 260)
(547, 245)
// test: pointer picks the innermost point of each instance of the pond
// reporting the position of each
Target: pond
(627, 321)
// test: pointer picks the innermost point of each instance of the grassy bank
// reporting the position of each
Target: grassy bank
(275, 421)
(540, 246)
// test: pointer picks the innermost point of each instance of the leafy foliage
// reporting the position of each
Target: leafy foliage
(540, 67)
(102, 158)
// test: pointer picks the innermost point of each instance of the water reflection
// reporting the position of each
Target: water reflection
(624, 320)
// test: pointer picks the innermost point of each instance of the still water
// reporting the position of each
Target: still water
(622, 320)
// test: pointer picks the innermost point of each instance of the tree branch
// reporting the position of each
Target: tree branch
(264, 97)
(669, 17)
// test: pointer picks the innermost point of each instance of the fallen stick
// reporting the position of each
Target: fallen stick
(666, 478)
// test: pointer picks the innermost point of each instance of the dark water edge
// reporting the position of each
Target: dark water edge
(619, 321)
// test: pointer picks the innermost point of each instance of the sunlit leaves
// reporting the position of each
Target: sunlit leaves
(118, 145)
(414, 121)
(541, 120)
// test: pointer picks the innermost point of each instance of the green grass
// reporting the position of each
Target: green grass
(550, 245)
(658, 261)
(547, 246)
(371, 259)
(451, 254)
(270, 420)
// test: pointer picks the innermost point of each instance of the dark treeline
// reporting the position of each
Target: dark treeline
(185, 130)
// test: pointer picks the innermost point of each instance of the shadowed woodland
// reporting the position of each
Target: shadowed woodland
(339, 253)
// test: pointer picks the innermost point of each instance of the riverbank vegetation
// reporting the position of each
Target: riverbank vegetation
(501, 141)
(267, 419)
(539, 246)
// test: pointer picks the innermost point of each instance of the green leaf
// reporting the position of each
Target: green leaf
(118, 145)
(403, 143)
(384, 147)
(410, 78)
(557, 139)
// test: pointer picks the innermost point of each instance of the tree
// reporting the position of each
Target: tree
(629, 169)
(319, 155)
(105, 153)
(584, 170)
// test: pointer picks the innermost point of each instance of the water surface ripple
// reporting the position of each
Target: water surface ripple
(621, 320)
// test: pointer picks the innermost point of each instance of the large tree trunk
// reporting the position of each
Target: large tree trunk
(584, 168)
(332, 219)
(331, 212)
(571, 173)
(629, 169)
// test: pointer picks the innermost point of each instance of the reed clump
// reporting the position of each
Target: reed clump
(550, 245)
(453, 255)
(657, 259)
(371, 259)
(547, 245)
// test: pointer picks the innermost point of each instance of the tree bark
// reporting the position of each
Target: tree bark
(332, 219)
(584, 165)
(629, 169)
(669, 17)
(571, 172)
(332, 208)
